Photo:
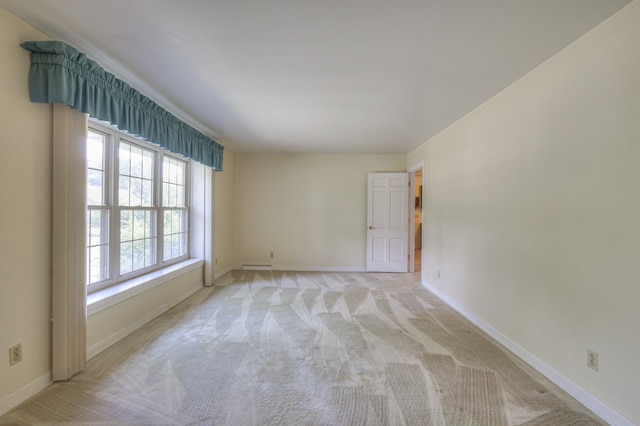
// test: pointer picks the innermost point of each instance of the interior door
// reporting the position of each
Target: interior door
(388, 222)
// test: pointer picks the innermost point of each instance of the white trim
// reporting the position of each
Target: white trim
(201, 218)
(249, 267)
(320, 268)
(412, 217)
(257, 267)
(110, 296)
(209, 237)
(100, 346)
(27, 391)
(225, 271)
(601, 409)
(411, 238)
(414, 168)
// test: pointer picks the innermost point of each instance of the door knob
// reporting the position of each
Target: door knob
(371, 227)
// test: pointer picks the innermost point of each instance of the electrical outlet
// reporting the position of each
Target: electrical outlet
(438, 274)
(15, 354)
(592, 360)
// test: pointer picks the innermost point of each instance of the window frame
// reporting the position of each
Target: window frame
(113, 138)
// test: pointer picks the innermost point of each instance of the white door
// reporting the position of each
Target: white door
(388, 222)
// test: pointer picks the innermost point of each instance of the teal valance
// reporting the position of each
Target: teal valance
(61, 74)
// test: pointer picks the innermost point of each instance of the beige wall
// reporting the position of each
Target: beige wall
(533, 211)
(224, 196)
(309, 210)
(25, 216)
(141, 308)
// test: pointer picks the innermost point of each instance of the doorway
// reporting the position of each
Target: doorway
(388, 233)
(416, 219)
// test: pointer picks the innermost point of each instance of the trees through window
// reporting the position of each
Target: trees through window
(137, 207)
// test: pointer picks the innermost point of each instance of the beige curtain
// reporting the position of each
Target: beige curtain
(69, 318)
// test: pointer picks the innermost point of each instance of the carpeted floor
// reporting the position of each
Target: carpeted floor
(288, 348)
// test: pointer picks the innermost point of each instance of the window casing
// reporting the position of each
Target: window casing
(137, 207)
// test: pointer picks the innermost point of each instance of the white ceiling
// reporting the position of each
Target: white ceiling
(317, 76)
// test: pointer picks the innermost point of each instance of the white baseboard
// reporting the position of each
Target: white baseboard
(302, 268)
(27, 391)
(601, 409)
(100, 346)
(320, 268)
(225, 271)
(257, 267)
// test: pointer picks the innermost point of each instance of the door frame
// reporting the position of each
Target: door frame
(412, 218)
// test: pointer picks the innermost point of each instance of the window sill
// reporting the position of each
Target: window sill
(110, 296)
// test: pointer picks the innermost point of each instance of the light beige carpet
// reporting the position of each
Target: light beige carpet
(277, 348)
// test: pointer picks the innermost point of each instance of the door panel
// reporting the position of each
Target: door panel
(397, 217)
(396, 251)
(387, 220)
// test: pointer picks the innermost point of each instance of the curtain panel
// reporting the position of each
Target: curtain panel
(61, 74)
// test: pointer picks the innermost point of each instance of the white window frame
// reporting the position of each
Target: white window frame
(113, 137)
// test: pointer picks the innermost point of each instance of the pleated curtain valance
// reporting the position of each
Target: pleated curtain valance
(61, 74)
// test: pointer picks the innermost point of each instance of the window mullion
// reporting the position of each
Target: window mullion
(114, 233)
(159, 209)
(187, 204)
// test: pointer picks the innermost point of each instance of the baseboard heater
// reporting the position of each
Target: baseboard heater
(257, 267)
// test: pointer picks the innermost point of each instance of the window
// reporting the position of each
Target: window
(137, 207)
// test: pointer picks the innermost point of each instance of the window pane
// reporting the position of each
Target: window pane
(124, 158)
(147, 165)
(167, 247)
(97, 246)
(180, 178)
(147, 193)
(124, 182)
(171, 202)
(175, 233)
(98, 222)
(138, 254)
(135, 192)
(95, 150)
(136, 161)
(136, 176)
(149, 252)
(165, 194)
(173, 182)
(175, 247)
(137, 240)
(174, 172)
(165, 168)
(95, 169)
(140, 224)
(95, 265)
(180, 201)
(126, 257)
(126, 225)
(95, 187)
